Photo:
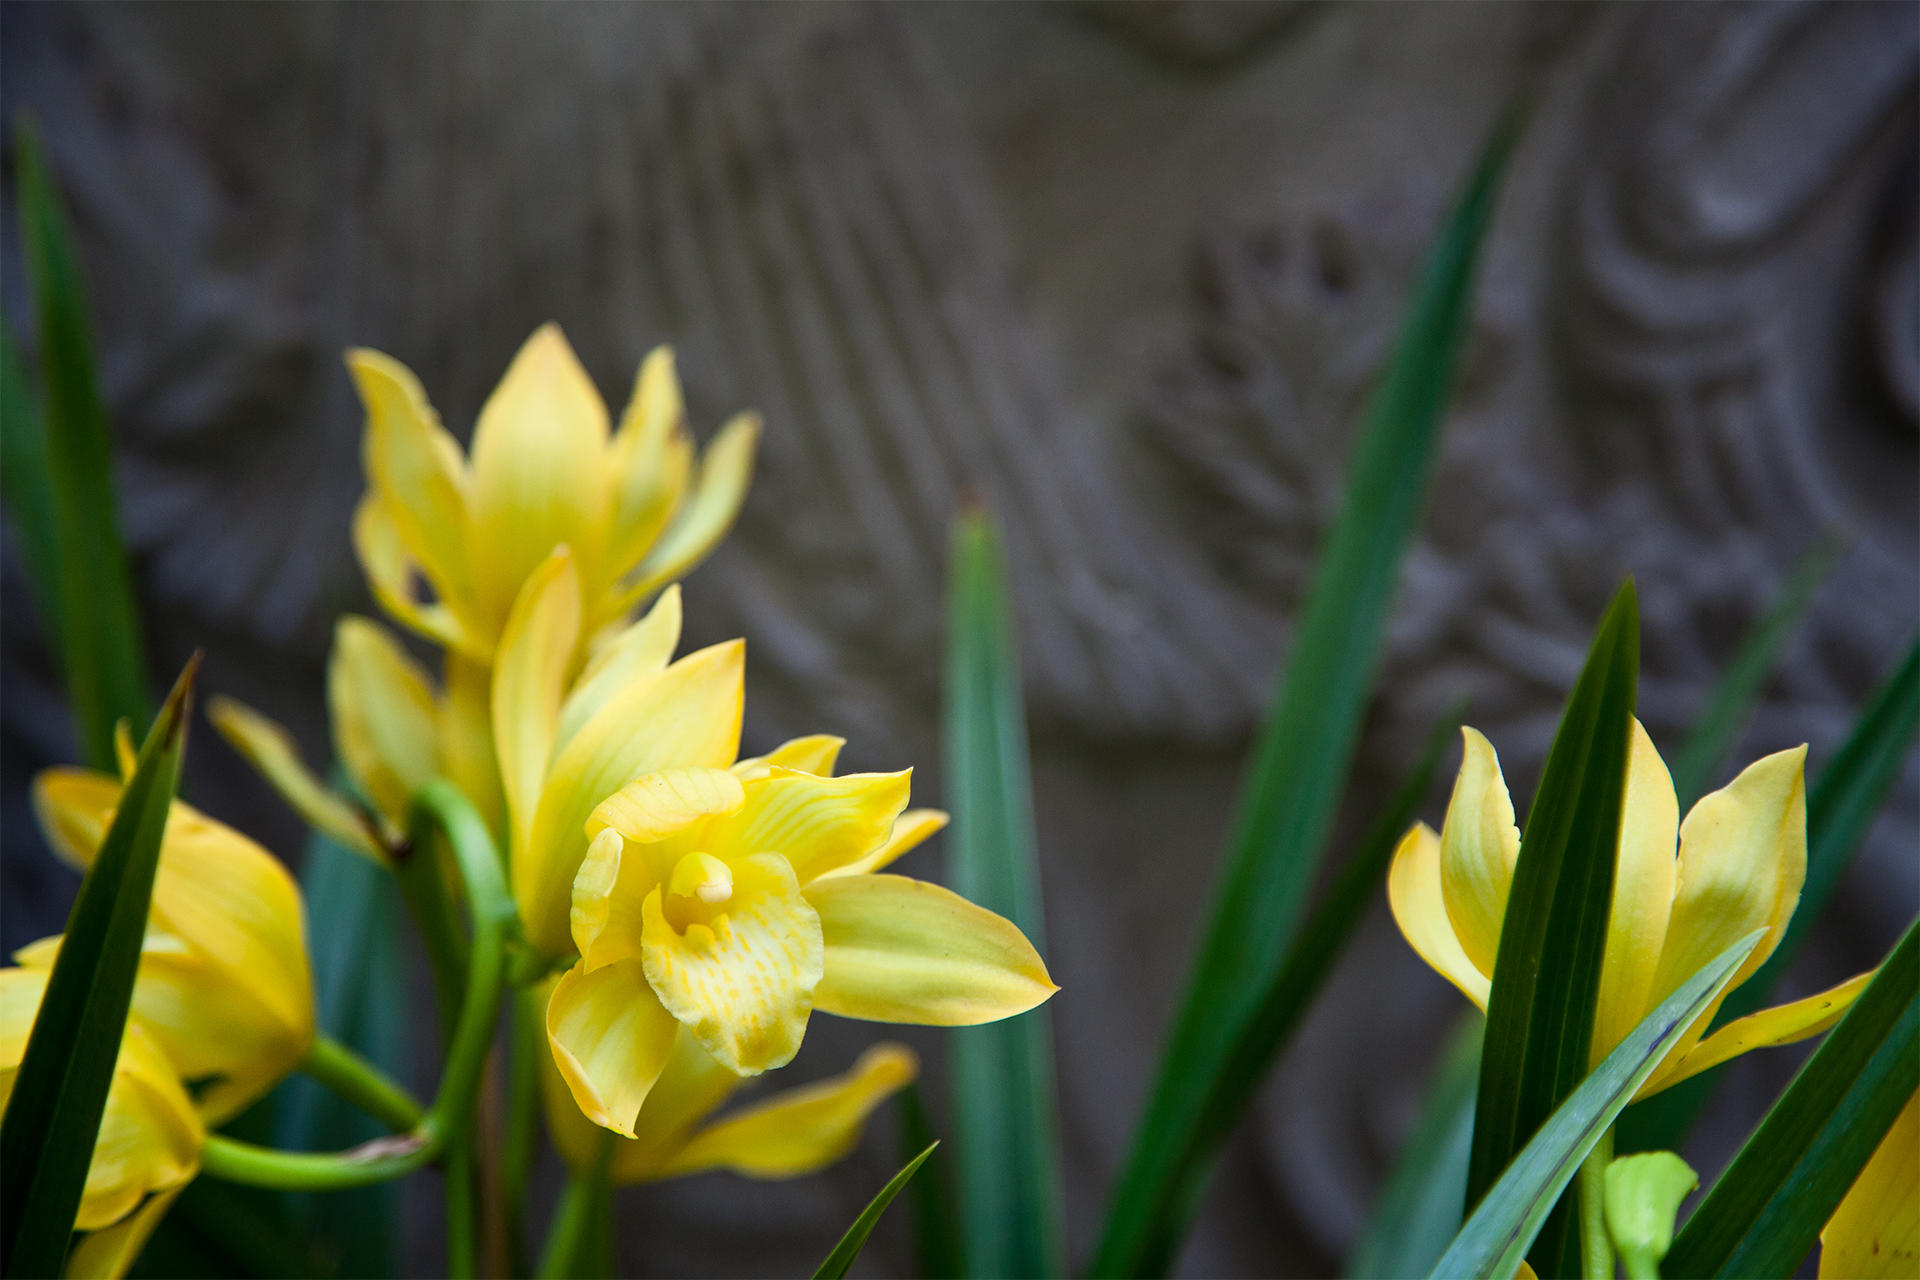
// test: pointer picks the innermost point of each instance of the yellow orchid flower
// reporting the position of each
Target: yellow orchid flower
(393, 731)
(1742, 855)
(1875, 1233)
(545, 471)
(727, 897)
(785, 1135)
(224, 987)
(150, 1135)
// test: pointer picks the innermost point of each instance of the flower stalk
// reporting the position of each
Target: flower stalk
(1596, 1249)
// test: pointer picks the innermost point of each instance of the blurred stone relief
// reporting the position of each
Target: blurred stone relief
(1122, 271)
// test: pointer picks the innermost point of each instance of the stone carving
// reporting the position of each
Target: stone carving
(1123, 272)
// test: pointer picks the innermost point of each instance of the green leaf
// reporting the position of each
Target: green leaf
(848, 1249)
(1003, 1081)
(1546, 972)
(1293, 787)
(26, 480)
(60, 1091)
(1765, 1212)
(1172, 1201)
(1746, 675)
(936, 1236)
(1512, 1212)
(360, 997)
(1842, 804)
(99, 628)
(1419, 1209)
(1643, 1193)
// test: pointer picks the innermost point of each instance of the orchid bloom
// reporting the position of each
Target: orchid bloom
(1875, 1233)
(545, 470)
(1742, 855)
(726, 897)
(222, 1004)
(785, 1135)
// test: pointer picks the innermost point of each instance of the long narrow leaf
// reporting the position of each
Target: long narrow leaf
(1288, 800)
(1766, 1210)
(60, 1091)
(1743, 678)
(26, 480)
(1321, 942)
(836, 1263)
(1842, 804)
(1003, 1082)
(1498, 1233)
(1419, 1209)
(360, 995)
(1546, 971)
(105, 664)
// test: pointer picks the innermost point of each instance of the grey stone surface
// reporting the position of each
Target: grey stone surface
(1125, 271)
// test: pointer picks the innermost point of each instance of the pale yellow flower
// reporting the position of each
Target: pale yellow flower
(150, 1135)
(782, 1135)
(1742, 855)
(729, 898)
(545, 471)
(224, 987)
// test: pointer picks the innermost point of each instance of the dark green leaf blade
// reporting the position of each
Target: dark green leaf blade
(1292, 789)
(1842, 804)
(26, 480)
(1183, 1181)
(1419, 1209)
(60, 1091)
(1745, 675)
(1546, 974)
(100, 633)
(1003, 1079)
(836, 1263)
(1765, 1212)
(1503, 1225)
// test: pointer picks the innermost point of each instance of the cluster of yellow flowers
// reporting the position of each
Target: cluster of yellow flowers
(693, 907)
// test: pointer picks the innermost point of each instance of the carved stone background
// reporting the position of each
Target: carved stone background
(1124, 270)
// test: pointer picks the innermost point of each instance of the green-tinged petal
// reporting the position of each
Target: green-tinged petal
(626, 657)
(539, 471)
(690, 1087)
(652, 460)
(1782, 1024)
(592, 896)
(108, 1254)
(740, 971)
(1641, 1194)
(1478, 846)
(415, 471)
(1743, 856)
(725, 470)
(900, 950)
(1413, 892)
(150, 1135)
(529, 674)
(1875, 1233)
(610, 1039)
(688, 715)
(816, 823)
(816, 753)
(910, 830)
(390, 570)
(801, 1130)
(271, 750)
(1643, 879)
(384, 715)
(467, 755)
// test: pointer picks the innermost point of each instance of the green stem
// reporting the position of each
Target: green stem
(574, 1215)
(355, 1080)
(1596, 1250)
(462, 1262)
(527, 1043)
(440, 805)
